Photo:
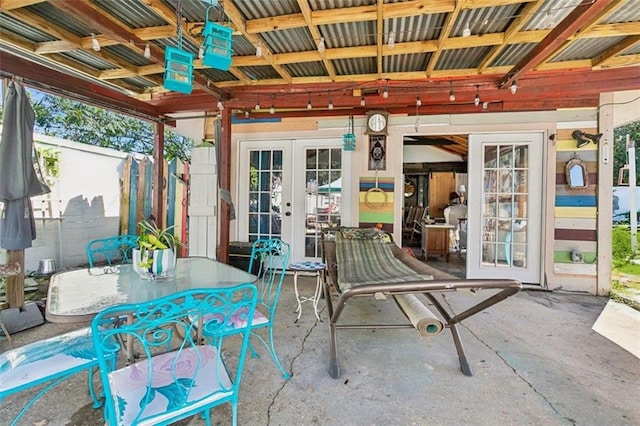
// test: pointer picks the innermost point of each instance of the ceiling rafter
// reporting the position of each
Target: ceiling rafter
(379, 35)
(238, 20)
(444, 36)
(306, 12)
(583, 14)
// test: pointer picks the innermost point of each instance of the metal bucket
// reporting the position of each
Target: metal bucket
(47, 267)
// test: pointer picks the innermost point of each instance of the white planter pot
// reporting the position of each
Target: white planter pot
(163, 262)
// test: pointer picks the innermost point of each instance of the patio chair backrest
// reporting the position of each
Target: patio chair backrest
(174, 374)
(111, 249)
(272, 256)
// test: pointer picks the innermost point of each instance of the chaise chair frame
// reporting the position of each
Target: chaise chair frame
(429, 288)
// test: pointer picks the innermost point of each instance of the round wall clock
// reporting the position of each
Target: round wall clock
(377, 123)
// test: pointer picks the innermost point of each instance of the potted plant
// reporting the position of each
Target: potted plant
(155, 256)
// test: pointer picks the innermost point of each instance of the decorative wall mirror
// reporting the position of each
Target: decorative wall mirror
(576, 174)
(409, 188)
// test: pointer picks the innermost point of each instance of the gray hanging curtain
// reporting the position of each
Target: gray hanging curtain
(18, 178)
(225, 195)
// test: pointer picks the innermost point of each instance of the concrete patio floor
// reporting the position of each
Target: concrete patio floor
(536, 359)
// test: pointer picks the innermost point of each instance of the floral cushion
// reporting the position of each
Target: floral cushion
(179, 381)
(45, 360)
(238, 320)
(365, 234)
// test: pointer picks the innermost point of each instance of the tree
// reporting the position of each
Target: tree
(620, 147)
(68, 119)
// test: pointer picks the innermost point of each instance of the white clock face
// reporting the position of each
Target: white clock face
(377, 122)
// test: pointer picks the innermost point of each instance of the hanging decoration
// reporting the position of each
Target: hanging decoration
(178, 63)
(349, 138)
(218, 43)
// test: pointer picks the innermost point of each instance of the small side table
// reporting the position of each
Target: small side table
(312, 267)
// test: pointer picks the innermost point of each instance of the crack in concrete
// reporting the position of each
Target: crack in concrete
(293, 359)
(505, 362)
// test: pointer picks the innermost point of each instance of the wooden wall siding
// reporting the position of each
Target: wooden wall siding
(576, 201)
(575, 209)
(576, 234)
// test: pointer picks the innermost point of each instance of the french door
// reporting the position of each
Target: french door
(505, 206)
(294, 190)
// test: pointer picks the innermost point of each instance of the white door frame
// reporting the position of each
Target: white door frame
(532, 272)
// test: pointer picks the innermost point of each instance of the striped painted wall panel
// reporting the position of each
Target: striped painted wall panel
(575, 210)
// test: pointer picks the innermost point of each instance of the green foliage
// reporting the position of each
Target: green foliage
(620, 147)
(50, 160)
(621, 244)
(68, 119)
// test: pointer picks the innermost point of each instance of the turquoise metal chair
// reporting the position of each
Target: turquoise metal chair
(49, 361)
(273, 258)
(112, 249)
(174, 372)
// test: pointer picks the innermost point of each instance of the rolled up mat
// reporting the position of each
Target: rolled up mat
(420, 316)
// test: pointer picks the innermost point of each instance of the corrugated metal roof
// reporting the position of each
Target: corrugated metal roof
(355, 65)
(260, 72)
(461, 58)
(586, 48)
(88, 60)
(132, 13)
(26, 32)
(549, 14)
(511, 54)
(307, 69)
(406, 63)
(61, 19)
(287, 41)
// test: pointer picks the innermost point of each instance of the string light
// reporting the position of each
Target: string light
(452, 96)
(246, 114)
(418, 101)
(467, 31)
(513, 88)
(391, 41)
(321, 45)
(476, 100)
(362, 101)
(330, 106)
(272, 110)
(485, 105)
(385, 94)
(259, 49)
(220, 106)
(309, 106)
(95, 44)
(147, 51)
(258, 103)
(201, 51)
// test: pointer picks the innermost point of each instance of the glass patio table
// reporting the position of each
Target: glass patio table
(76, 296)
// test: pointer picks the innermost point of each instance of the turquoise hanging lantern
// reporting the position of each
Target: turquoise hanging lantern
(178, 64)
(218, 44)
(349, 139)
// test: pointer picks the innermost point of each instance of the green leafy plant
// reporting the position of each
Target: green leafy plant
(151, 237)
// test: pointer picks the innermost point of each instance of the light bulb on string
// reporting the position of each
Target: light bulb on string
(418, 101)
(385, 94)
(330, 106)
(452, 96)
(321, 45)
(95, 44)
(309, 106)
(272, 110)
(391, 42)
(466, 32)
(246, 114)
(476, 100)
(362, 101)
(257, 104)
(201, 51)
(259, 49)
(147, 51)
(513, 88)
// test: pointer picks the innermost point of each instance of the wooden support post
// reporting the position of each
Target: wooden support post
(158, 207)
(14, 288)
(225, 183)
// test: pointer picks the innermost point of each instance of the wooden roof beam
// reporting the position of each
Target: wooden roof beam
(315, 33)
(582, 14)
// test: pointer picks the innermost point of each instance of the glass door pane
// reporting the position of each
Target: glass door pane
(323, 194)
(505, 205)
(265, 194)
